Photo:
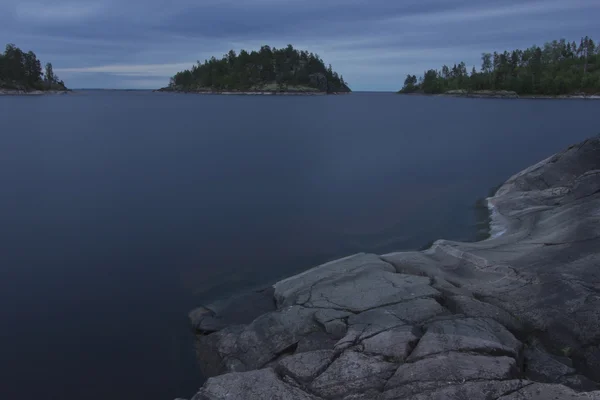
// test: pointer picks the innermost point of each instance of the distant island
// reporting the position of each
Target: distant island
(267, 71)
(560, 69)
(21, 73)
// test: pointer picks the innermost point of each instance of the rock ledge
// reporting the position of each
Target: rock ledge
(513, 317)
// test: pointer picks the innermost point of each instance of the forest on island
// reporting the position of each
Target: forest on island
(23, 71)
(268, 69)
(559, 67)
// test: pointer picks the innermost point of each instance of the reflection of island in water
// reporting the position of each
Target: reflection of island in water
(267, 71)
(21, 73)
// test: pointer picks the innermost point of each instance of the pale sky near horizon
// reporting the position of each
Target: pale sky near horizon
(139, 44)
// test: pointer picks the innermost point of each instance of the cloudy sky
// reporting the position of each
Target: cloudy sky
(372, 43)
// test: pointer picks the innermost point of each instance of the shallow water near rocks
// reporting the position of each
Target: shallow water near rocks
(120, 211)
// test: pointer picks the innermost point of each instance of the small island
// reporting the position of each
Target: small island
(21, 73)
(267, 71)
(559, 69)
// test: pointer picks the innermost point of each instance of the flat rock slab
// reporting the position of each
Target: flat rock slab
(372, 322)
(304, 367)
(476, 335)
(253, 385)
(540, 391)
(352, 372)
(485, 390)
(288, 290)
(454, 367)
(474, 308)
(394, 344)
(366, 290)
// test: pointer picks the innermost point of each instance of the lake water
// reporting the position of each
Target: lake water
(121, 211)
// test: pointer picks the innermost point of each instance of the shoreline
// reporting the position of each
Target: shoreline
(15, 92)
(498, 317)
(507, 96)
(249, 93)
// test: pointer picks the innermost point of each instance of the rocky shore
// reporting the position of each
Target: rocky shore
(506, 94)
(246, 93)
(13, 92)
(513, 317)
(483, 94)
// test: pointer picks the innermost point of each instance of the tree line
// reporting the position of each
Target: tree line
(559, 67)
(23, 71)
(284, 69)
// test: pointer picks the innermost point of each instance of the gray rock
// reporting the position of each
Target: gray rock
(541, 391)
(465, 391)
(368, 395)
(253, 346)
(316, 341)
(372, 322)
(543, 367)
(475, 308)
(579, 383)
(454, 367)
(333, 322)
(352, 372)
(304, 367)
(467, 335)
(241, 309)
(591, 356)
(395, 343)
(366, 290)
(253, 385)
(288, 290)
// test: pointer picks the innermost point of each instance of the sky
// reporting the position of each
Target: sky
(139, 44)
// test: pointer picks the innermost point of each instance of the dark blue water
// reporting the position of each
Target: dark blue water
(121, 211)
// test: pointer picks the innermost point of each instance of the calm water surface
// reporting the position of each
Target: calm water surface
(121, 211)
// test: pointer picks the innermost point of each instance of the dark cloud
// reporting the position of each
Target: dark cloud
(111, 43)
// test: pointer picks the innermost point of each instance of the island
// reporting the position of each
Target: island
(516, 316)
(266, 71)
(559, 69)
(21, 73)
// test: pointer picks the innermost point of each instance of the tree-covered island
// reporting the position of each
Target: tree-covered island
(21, 72)
(558, 68)
(268, 70)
